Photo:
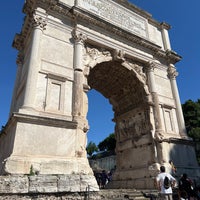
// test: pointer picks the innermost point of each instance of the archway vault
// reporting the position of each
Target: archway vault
(124, 83)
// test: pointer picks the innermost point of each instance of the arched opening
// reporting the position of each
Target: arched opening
(121, 85)
(101, 125)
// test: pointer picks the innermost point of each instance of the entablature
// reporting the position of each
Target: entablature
(79, 15)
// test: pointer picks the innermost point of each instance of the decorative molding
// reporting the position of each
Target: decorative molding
(56, 77)
(50, 121)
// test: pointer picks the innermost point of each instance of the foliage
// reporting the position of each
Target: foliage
(195, 134)
(91, 148)
(31, 173)
(191, 112)
(108, 144)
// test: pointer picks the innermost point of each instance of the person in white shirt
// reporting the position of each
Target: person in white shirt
(165, 190)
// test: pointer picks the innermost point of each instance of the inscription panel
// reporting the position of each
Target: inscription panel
(117, 15)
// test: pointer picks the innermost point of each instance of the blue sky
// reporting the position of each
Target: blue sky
(182, 15)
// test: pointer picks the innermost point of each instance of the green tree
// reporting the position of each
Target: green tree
(191, 112)
(91, 148)
(108, 144)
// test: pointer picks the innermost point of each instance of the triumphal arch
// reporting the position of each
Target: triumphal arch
(65, 49)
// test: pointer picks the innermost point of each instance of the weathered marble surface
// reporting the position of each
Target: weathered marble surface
(46, 184)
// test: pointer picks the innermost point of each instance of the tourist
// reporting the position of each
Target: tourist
(104, 178)
(164, 183)
(185, 186)
(173, 168)
(98, 178)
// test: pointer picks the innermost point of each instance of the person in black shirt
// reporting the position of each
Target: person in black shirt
(185, 186)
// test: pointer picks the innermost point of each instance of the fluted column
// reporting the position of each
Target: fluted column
(152, 85)
(78, 76)
(172, 74)
(33, 65)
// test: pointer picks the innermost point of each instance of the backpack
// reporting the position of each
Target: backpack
(166, 182)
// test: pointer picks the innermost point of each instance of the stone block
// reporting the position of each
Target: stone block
(88, 183)
(69, 183)
(13, 184)
(43, 184)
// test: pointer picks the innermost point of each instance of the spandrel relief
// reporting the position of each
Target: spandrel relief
(92, 56)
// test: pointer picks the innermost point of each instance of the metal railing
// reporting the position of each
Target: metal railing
(89, 190)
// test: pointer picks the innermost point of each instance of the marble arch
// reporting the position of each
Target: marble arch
(67, 47)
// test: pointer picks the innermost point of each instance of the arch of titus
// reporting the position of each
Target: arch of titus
(65, 49)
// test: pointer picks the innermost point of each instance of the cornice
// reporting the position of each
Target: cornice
(186, 141)
(49, 121)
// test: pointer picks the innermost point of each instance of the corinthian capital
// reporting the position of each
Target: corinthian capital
(150, 66)
(39, 22)
(79, 37)
(172, 73)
